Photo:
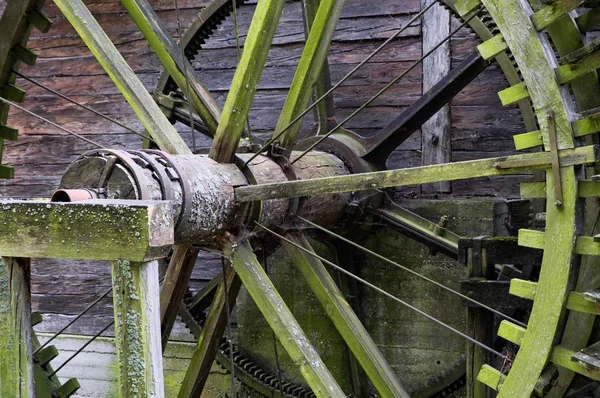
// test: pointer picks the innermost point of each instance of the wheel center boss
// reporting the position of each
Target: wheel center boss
(202, 190)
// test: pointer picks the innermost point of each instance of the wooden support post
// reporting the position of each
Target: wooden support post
(174, 287)
(345, 320)
(435, 133)
(480, 323)
(137, 328)
(211, 334)
(282, 321)
(504, 165)
(16, 364)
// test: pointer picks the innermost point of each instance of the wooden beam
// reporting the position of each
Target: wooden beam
(210, 337)
(16, 363)
(245, 81)
(435, 132)
(282, 321)
(93, 230)
(479, 323)
(174, 287)
(308, 70)
(413, 176)
(171, 56)
(343, 317)
(137, 328)
(149, 113)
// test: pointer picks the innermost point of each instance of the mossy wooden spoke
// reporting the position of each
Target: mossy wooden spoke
(211, 335)
(344, 318)
(171, 56)
(309, 69)
(245, 81)
(155, 122)
(283, 323)
(505, 165)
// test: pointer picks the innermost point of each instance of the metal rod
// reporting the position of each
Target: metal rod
(338, 84)
(378, 289)
(390, 84)
(51, 123)
(379, 256)
(72, 321)
(81, 349)
(185, 73)
(71, 100)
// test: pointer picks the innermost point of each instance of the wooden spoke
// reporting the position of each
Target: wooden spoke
(245, 81)
(343, 317)
(325, 110)
(282, 321)
(174, 287)
(171, 56)
(137, 328)
(379, 146)
(151, 116)
(16, 363)
(210, 337)
(417, 175)
(308, 71)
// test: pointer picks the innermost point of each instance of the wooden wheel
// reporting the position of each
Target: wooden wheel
(224, 206)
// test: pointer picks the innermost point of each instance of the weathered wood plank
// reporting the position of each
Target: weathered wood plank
(435, 133)
(93, 230)
(16, 363)
(282, 322)
(137, 329)
(344, 318)
(136, 94)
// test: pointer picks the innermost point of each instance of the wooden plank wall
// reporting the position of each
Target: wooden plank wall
(480, 126)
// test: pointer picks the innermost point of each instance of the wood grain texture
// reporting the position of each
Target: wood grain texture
(16, 363)
(435, 133)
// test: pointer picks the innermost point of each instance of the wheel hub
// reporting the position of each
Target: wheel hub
(202, 190)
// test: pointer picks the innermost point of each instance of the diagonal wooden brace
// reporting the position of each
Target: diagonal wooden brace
(282, 321)
(137, 328)
(345, 320)
(558, 196)
(91, 230)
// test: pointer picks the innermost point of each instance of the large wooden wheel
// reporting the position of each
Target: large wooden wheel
(234, 203)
